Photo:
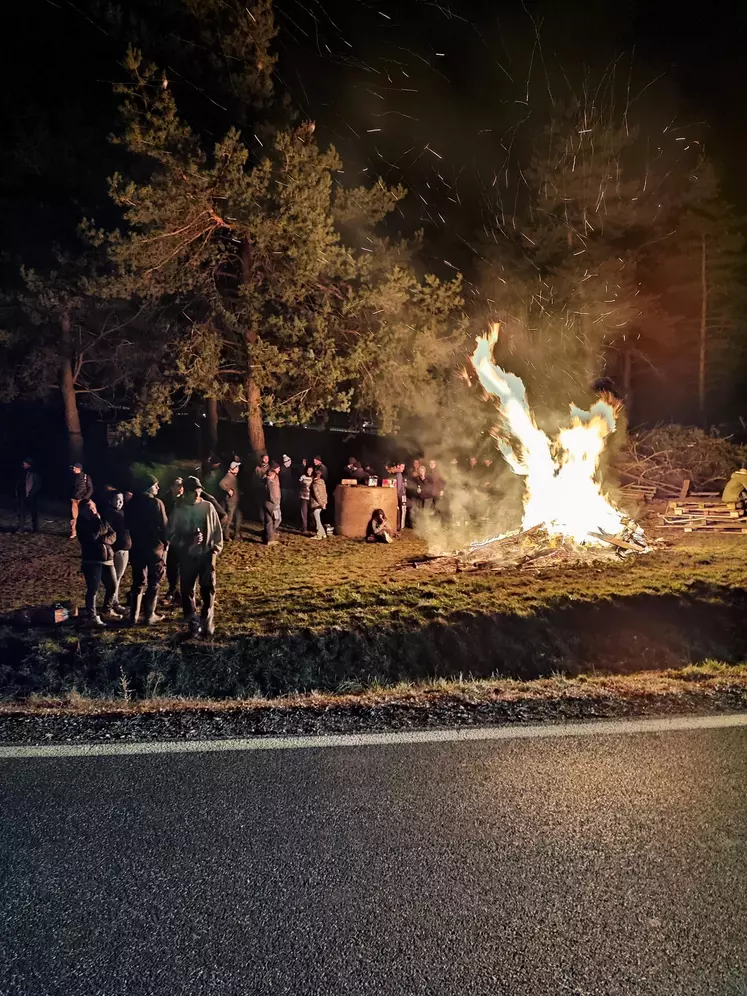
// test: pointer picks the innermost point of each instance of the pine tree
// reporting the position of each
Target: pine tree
(271, 305)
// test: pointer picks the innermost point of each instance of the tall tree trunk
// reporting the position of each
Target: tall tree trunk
(253, 397)
(254, 402)
(703, 326)
(69, 398)
(211, 412)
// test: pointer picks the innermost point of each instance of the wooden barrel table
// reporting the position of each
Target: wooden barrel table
(354, 505)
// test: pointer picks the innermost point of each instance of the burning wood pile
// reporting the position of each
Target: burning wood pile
(567, 518)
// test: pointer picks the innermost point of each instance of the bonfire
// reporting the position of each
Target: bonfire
(566, 513)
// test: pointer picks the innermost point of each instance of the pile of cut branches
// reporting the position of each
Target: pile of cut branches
(668, 454)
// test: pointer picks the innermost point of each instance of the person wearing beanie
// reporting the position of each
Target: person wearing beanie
(28, 486)
(195, 533)
(231, 494)
(81, 489)
(145, 517)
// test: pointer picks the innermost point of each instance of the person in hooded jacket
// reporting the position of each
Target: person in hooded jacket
(96, 538)
(114, 516)
(28, 486)
(196, 534)
(145, 516)
(318, 502)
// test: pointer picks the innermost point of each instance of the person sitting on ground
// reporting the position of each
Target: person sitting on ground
(96, 538)
(28, 486)
(318, 502)
(378, 529)
(736, 487)
(114, 515)
(271, 513)
(304, 496)
(197, 537)
(231, 492)
(81, 489)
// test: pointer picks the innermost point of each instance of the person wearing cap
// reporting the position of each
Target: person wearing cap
(231, 493)
(81, 489)
(145, 516)
(28, 486)
(196, 535)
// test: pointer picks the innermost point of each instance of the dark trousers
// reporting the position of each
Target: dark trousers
(234, 519)
(28, 507)
(304, 514)
(198, 569)
(95, 574)
(172, 569)
(270, 520)
(148, 570)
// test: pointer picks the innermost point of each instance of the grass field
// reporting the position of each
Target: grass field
(344, 615)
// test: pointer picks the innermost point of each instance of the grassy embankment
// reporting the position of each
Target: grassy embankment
(342, 616)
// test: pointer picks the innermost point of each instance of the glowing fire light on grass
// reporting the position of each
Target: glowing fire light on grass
(562, 491)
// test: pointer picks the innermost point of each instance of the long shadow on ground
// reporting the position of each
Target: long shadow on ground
(636, 633)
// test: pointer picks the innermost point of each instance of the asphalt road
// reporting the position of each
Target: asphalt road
(593, 866)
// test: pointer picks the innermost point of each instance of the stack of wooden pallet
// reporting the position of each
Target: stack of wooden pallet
(705, 512)
(638, 492)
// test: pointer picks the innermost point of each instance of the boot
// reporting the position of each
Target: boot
(207, 623)
(94, 621)
(135, 603)
(150, 611)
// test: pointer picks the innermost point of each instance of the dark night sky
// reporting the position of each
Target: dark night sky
(417, 91)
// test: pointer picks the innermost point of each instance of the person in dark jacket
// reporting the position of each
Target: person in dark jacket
(81, 489)
(319, 465)
(96, 538)
(271, 509)
(114, 516)
(378, 529)
(195, 533)
(288, 494)
(145, 517)
(231, 499)
(28, 487)
(171, 502)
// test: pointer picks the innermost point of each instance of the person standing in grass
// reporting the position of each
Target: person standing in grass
(171, 502)
(196, 535)
(304, 494)
(231, 492)
(271, 508)
(114, 515)
(145, 516)
(318, 501)
(319, 465)
(81, 489)
(96, 538)
(28, 486)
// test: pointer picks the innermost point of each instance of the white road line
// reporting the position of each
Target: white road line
(535, 732)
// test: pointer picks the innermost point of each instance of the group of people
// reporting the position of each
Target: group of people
(180, 544)
(275, 487)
